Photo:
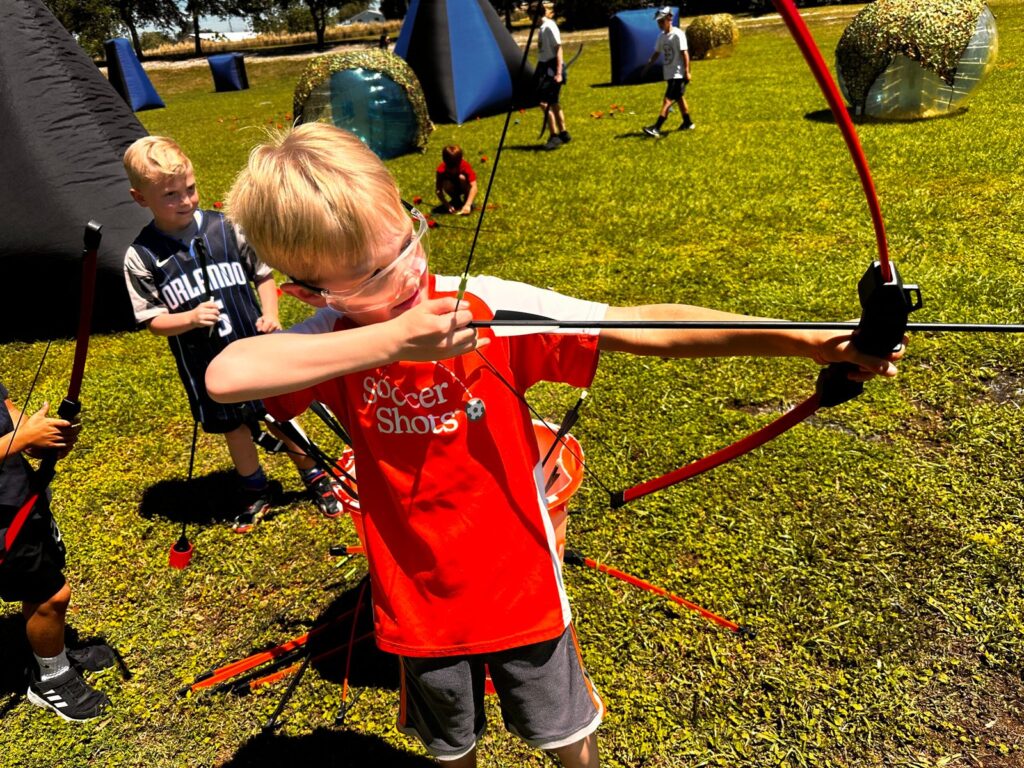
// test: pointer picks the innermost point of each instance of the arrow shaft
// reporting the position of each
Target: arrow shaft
(742, 325)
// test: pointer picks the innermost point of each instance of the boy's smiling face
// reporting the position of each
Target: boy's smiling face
(171, 199)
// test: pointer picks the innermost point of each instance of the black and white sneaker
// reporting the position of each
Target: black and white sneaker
(653, 132)
(257, 505)
(322, 490)
(68, 695)
(689, 125)
(92, 658)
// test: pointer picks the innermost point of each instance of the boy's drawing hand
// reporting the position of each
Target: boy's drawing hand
(433, 330)
(464, 211)
(840, 349)
(206, 314)
(43, 433)
(268, 324)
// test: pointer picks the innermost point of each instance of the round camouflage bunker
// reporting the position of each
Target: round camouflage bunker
(909, 59)
(372, 93)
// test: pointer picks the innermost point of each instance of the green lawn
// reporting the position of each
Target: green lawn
(878, 550)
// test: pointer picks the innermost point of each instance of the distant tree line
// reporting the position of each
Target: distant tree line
(150, 22)
(584, 14)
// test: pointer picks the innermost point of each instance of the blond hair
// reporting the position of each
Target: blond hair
(153, 158)
(312, 197)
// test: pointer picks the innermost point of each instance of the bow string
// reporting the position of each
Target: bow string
(885, 301)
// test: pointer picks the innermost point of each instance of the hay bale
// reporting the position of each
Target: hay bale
(712, 37)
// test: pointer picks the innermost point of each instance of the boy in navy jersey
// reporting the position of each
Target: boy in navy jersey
(464, 568)
(203, 304)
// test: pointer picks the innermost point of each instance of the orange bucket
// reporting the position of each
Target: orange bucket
(563, 473)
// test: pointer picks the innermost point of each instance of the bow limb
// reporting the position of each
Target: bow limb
(70, 407)
(805, 42)
(885, 301)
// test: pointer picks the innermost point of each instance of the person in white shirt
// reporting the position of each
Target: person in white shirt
(675, 64)
(549, 76)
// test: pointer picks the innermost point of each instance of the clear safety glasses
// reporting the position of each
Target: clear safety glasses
(389, 284)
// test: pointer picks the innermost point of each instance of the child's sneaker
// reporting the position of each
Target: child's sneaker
(653, 132)
(565, 137)
(257, 505)
(553, 143)
(321, 489)
(92, 658)
(68, 695)
(689, 125)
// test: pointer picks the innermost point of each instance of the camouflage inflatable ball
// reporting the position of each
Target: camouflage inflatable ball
(911, 59)
(372, 93)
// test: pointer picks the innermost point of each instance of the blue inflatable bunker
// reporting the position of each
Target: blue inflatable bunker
(465, 59)
(128, 77)
(228, 70)
(632, 36)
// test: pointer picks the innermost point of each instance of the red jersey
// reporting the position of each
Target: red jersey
(443, 171)
(461, 551)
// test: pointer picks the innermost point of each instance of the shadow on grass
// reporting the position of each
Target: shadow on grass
(328, 643)
(324, 748)
(826, 116)
(17, 657)
(639, 134)
(204, 500)
(527, 147)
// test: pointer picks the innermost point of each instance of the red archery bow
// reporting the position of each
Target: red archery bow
(70, 407)
(885, 301)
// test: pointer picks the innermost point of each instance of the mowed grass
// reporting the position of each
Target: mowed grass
(876, 550)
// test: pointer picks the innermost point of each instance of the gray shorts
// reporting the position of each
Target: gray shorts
(545, 693)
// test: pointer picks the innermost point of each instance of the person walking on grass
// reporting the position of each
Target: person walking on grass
(32, 571)
(464, 569)
(675, 68)
(549, 76)
(167, 283)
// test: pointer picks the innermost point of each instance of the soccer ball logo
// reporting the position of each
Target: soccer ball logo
(475, 409)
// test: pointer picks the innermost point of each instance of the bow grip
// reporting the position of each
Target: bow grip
(885, 307)
(69, 409)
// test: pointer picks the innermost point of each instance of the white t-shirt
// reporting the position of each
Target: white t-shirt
(671, 46)
(548, 40)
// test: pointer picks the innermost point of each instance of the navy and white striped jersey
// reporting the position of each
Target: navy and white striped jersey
(165, 275)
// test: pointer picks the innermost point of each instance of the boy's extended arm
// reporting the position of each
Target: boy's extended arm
(269, 320)
(263, 366)
(823, 347)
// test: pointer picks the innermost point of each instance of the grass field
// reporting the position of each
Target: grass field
(878, 550)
